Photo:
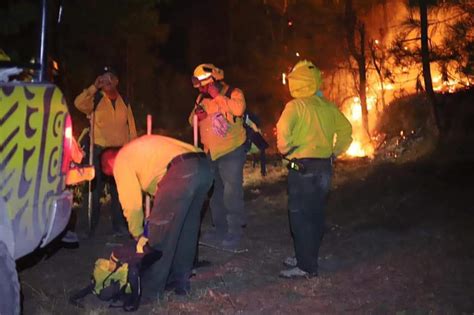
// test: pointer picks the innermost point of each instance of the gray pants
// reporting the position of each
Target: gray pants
(227, 201)
(173, 225)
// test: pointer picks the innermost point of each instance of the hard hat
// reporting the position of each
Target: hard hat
(107, 69)
(4, 56)
(206, 73)
(304, 79)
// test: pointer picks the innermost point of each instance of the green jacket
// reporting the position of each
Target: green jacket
(312, 127)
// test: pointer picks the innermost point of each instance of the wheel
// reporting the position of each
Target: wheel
(9, 285)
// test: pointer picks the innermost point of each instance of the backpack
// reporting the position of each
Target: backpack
(117, 279)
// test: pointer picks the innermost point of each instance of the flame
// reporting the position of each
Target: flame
(361, 145)
(356, 149)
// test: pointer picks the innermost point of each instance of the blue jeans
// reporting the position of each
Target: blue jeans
(173, 225)
(307, 196)
(227, 200)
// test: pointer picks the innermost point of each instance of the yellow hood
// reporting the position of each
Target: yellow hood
(304, 80)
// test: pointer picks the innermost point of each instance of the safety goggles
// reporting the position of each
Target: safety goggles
(201, 81)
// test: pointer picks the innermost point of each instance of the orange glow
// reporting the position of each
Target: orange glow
(356, 149)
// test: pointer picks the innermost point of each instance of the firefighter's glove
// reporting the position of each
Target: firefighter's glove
(213, 90)
(142, 241)
(200, 113)
(220, 125)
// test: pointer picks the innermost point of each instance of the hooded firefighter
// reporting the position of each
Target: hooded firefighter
(311, 132)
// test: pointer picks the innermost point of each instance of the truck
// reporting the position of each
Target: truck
(36, 143)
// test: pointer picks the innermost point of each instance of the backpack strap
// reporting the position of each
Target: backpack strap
(227, 94)
(117, 263)
(229, 91)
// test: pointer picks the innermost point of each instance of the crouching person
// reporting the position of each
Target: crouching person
(179, 176)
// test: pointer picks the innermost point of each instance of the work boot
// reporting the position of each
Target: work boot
(296, 272)
(231, 242)
(70, 240)
(180, 286)
(290, 261)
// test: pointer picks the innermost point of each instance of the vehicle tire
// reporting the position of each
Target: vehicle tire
(9, 285)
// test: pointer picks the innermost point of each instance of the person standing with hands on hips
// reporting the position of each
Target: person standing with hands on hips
(219, 109)
(114, 126)
(305, 136)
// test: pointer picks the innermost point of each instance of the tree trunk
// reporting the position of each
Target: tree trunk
(363, 79)
(425, 59)
(378, 69)
(351, 23)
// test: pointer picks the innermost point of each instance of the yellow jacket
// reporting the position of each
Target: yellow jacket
(139, 166)
(113, 127)
(307, 128)
(232, 108)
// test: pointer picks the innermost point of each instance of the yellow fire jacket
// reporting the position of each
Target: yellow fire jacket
(232, 108)
(113, 127)
(312, 127)
(139, 166)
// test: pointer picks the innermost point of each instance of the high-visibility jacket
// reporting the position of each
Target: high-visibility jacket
(114, 126)
(139, 166)
(312, 127)
(232, 108)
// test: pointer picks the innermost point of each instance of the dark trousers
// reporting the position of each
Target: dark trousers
(98, 185)
(173, 225)
(307, 196)
(227, 200)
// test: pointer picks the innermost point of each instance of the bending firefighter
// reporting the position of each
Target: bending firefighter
(310, 133)
(179, 176)
(113, 125)
(219, 109)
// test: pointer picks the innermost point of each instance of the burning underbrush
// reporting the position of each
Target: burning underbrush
(405, 130)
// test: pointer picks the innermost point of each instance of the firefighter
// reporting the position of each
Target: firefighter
(311, 132)
(113, 126)
(179, 176)
(219, 109)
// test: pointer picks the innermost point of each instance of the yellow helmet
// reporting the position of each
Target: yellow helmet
(304, 79)
(206, 73)
(4, 56)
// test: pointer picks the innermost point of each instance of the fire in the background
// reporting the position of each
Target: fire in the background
(362, 144)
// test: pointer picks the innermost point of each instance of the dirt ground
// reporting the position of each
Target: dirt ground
(399, 240)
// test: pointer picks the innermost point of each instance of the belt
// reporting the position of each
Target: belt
(185, 156)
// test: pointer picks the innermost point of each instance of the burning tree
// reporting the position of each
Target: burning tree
(438, 35)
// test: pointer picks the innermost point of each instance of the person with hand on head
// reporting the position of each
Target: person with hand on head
(113, 126)
(219, 109)
(179, 176)
(311, 131)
